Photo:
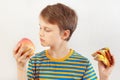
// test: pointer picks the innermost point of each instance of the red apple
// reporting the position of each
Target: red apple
(28, 44)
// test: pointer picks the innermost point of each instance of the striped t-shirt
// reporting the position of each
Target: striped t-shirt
(71, 67)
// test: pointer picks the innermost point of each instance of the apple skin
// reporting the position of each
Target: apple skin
(28, 44)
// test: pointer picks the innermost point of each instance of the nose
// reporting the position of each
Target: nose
(41, 33)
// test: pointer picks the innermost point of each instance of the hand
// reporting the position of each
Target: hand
(104, 72)
(21, 56)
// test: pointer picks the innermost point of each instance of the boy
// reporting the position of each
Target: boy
(59, 62)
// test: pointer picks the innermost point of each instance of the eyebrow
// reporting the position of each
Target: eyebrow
(45, 26)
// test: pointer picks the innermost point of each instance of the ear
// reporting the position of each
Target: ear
(65, 34)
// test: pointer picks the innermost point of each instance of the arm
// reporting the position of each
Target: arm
(89, 73)
(21, 61)
(104, 72)
(21, 73)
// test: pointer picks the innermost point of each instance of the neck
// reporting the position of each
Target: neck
(59, 51)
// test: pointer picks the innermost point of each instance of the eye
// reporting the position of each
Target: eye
(48, 30)
(40, 28)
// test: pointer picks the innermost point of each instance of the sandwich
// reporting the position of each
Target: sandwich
(104, 56)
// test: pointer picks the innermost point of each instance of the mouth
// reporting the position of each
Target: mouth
(42, 40)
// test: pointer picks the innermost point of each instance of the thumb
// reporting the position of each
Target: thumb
(101, 66)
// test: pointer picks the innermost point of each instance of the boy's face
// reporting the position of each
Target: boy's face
(49, 33)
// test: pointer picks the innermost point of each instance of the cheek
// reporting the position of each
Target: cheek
(54, 37)
(57, 39)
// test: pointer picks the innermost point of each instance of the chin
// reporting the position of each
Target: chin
(44, 45)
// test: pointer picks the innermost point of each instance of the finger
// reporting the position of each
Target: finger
(27, 59)
(113, 60)
(26, 54)
(96, 59)
(101, 66)
(21, 51)
(23, 61)
(100, 63)
(15, 50)
(94, 54)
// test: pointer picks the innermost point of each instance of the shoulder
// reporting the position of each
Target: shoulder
(38, 55)
(78, 56)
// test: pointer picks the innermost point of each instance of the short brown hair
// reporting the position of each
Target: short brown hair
(62, 15)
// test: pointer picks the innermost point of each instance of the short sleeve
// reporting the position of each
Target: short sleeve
(30, 70)
(89, 73)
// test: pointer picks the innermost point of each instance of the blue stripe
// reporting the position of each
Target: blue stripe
(90, 68)
(91, 76)
(51, 67)
(91, 72)
(55, 78)
(48, 77)
(59, 74)
(57, 63)
(43, 71)
(77, 60)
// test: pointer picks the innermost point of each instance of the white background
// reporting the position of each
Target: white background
(98, 27)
